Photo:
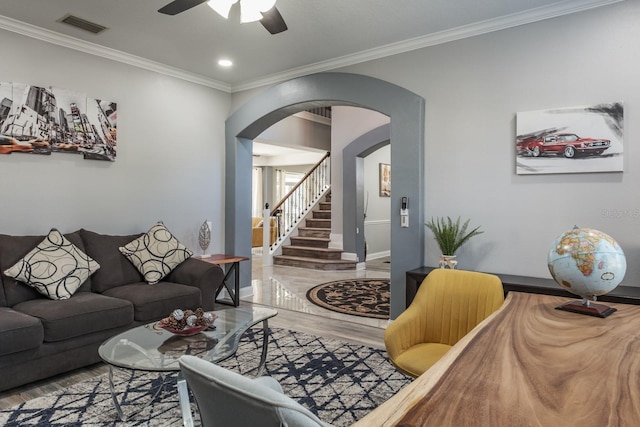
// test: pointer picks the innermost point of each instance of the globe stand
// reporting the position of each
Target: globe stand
(587, 307)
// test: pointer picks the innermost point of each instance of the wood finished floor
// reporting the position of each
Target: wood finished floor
(281, 287)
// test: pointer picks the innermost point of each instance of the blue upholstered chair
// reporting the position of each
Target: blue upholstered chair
(228, 399)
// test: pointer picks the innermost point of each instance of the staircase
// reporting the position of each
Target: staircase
(310, 248)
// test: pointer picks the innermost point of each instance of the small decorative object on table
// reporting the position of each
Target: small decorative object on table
(187, 322)
(450, 236)
(588, 263)
(204, 237)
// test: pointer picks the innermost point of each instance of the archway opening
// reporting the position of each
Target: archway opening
(406, 112)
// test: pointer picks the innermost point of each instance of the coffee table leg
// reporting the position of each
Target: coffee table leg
(114, 396)
(185, 406)
(265, 344)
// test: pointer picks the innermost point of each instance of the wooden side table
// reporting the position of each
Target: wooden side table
(234, 268)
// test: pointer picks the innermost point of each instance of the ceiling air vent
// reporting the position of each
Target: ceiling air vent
(83, 24)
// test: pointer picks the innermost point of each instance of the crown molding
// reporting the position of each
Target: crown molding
(466, 31)
(484, 27)
(52, 37)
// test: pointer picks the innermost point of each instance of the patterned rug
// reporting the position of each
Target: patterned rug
(358, 297)
(338, 381)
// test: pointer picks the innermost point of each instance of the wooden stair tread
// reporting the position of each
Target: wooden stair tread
(315, 260)
(327, 265)
(313, 248)
(315, 239)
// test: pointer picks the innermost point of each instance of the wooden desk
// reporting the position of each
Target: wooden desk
(529, 365)
(222, 259)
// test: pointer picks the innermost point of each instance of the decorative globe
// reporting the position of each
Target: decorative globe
(587, 262)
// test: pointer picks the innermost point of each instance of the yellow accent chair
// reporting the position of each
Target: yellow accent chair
(448, 304)
(256, 231)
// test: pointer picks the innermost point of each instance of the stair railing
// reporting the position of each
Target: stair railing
(296, 203)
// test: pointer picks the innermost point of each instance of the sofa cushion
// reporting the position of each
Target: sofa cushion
(18, 331)
(115, 269)
(12, 248)
(56, 267)
(83, 314)
(158, 301)
(156, 253)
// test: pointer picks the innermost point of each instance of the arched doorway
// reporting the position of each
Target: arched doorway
(353, 182)
(406, 112)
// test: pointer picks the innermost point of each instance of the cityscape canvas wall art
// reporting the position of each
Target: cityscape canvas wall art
(570, 140)
(38, 120)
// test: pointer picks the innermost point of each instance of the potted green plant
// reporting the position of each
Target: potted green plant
(450, 235)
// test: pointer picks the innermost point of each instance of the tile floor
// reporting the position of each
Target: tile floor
(286, 287)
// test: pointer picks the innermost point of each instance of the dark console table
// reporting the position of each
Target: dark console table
(535, 285)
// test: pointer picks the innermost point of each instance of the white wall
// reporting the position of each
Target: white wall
(170, 163)
(294, 131)
(473, 89)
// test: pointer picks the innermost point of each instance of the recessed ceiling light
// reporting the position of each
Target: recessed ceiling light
(225, 63)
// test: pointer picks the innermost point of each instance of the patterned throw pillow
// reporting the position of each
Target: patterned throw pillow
(56, 267)
(156, 253)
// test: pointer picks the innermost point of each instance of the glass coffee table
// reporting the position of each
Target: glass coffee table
(149, 348)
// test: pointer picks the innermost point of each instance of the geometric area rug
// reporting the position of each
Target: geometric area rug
(340, 382)
(357, 297)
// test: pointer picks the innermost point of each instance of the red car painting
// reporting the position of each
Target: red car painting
(569, 145)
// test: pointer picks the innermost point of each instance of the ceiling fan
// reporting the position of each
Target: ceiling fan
(251, 10)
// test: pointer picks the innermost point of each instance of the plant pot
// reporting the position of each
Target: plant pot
(448, 261)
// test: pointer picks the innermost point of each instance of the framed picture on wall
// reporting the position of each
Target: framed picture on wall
(42, 120)
(570, 140)
(385, 180)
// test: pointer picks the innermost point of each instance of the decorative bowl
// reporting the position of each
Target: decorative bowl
(187, 330)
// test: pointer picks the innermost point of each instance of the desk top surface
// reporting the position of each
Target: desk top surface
(530, 364)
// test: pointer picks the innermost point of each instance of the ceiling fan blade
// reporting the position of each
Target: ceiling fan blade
(273, 22)
(179, 6)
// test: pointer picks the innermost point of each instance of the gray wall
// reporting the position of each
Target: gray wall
(377, 225)
(348, 123)
(170, 163)
(473, 89)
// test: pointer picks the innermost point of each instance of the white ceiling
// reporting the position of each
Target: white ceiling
(322, 35)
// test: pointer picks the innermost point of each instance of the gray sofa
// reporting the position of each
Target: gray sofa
(40, 337)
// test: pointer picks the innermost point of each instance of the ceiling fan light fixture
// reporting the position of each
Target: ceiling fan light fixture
(250, 10)
(222, 7)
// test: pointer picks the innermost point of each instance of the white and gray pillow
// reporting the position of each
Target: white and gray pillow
(56, 267)
(156, 253)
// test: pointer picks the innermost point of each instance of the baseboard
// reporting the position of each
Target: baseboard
(245, 292)
(378, 255)
(349, 256)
